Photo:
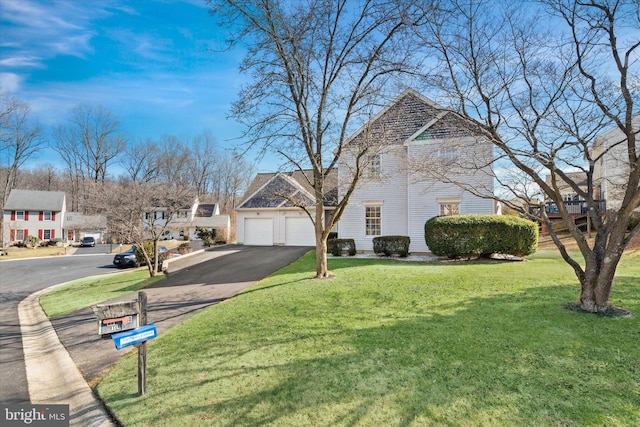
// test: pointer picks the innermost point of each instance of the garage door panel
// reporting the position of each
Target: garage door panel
(258, 231)
(299, 232)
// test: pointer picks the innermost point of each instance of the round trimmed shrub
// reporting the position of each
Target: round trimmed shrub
(480, 235)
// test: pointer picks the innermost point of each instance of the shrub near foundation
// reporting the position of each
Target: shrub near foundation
(388, 245)
(480, 235)
(336, 246)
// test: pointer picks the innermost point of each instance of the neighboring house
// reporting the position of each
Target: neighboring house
(183, 223)
(611, 171)
(268, 216)
(77, 225)
(43, 214)
(33, 213)
(413, 141)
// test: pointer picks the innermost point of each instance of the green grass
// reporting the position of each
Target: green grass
(388, 343)
(86, 292)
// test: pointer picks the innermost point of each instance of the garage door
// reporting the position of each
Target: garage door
(299, 232)
(258, 231)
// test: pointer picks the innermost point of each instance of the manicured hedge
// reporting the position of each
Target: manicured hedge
(480, 235)
(388, 245)
(336, 246)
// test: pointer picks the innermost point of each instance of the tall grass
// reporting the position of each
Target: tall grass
(396, 344)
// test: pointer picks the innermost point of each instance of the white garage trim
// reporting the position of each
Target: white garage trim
(299, 231)
(258, 231)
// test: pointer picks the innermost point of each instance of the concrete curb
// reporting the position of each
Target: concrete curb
(52, 376)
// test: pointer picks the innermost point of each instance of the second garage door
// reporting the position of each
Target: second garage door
(258, 231)
(299, 232)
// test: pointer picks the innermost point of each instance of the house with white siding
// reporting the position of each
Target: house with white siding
(611, 169)
(412, 142)
(268, 213)
(182, 223)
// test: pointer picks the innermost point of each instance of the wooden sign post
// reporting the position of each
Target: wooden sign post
(142, 347)
(127, 324)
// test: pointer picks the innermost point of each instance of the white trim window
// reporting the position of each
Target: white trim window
(449, 205)
(20, 216)
(373, 220)
(20, 235)
(448, 209)
(46, 216)
(46, 234)
(447, 156)
(374, 168)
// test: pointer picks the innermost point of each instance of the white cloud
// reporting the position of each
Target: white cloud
(42, 30)
(21, 61)
(9, 82)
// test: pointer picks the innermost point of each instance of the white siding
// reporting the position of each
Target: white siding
(408, 200)
(424, 195)
(390, 189)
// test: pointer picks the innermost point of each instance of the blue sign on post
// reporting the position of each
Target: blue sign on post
(134, 336)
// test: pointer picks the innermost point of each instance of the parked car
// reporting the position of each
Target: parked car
(88, 241)
(128, 259)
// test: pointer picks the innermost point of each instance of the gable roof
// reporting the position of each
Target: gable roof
(413, 116)
(268, 190)
(207, 210)
(31, 200)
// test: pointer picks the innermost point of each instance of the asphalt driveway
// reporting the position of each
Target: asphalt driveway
(192, 284)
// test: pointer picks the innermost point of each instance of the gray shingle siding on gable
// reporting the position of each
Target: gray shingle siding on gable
(399, 122)
(31, 200)
(450, 126)
(270, 196)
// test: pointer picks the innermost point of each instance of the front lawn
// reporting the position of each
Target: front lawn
(93, 290)
(389, 343)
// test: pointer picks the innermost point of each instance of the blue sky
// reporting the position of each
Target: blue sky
(155, 64)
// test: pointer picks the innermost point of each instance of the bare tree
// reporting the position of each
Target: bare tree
(315, 67)
(20, 138)
(233, 176)
(92, 135)
(142, 162)
(542, 98)
(139, 212)
(174, 161)
(204, 159)
(88, 144)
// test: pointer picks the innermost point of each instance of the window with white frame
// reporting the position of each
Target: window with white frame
(448, 209)
(46, 234)
(373, 220)
(449, 205)
(448, 155)
(20, 216)
(46, 216)
(373, 165)
(20, 234)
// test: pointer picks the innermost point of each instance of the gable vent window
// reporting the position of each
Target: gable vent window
(374, 165)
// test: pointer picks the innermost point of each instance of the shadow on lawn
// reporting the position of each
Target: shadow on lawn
(507, 359)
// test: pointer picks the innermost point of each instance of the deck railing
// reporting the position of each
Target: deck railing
(573, 207)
